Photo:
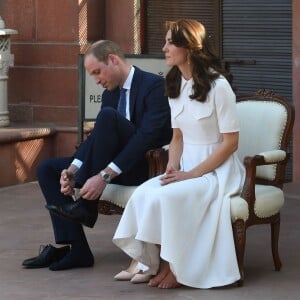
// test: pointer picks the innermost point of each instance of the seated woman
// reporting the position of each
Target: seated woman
(178, 224)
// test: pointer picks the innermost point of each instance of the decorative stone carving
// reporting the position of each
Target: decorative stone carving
(6, 61)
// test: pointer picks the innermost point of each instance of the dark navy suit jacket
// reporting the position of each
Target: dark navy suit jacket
(150, 114)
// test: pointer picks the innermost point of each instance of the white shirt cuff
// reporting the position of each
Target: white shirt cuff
(115, 168)
(76, 162)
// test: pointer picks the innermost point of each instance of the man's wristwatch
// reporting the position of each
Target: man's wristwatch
(105, 176)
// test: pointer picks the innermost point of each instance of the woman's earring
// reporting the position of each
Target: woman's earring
(188, 59)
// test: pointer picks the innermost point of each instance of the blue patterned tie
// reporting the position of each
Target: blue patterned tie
(122, 103)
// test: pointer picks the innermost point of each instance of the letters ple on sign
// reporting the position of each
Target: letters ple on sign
(95, 98)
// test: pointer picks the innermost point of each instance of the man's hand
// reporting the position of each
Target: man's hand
(93, 188)
(67, 182)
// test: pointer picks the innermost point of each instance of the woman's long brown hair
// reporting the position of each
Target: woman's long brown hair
(206, 66)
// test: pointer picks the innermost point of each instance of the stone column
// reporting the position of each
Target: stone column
(6, 60)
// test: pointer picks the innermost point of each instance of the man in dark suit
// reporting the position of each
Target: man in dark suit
(113, 152)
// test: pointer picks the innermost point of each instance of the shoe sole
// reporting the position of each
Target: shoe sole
(59, 214)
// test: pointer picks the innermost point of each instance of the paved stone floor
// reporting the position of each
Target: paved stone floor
(25, 224)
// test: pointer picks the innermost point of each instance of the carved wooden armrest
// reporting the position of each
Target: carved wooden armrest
(248, 191)
(251, 162)
(274, 156)
(157, 161)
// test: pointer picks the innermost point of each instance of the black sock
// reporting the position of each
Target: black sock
(80, 256)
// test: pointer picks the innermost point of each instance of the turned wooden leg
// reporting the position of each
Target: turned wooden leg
(275, 228)
(239, 234)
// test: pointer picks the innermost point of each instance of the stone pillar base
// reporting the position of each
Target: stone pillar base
(4, 119)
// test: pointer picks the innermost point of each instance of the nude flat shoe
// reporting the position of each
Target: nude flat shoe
(125, 275)
(141, 277)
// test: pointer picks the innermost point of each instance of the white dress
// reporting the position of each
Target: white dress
(190, 219)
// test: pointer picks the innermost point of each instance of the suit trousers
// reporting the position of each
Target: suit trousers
(110, 134)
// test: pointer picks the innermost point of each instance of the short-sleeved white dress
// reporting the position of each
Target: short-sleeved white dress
(190, 219)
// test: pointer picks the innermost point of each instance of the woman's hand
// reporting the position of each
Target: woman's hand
(173, 175)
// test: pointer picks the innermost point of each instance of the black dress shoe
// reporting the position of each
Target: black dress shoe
(48, 255)
(80, 211)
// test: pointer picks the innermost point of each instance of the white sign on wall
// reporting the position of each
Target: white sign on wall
(93, 92)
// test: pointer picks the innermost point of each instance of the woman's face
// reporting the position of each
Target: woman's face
(175, 56)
